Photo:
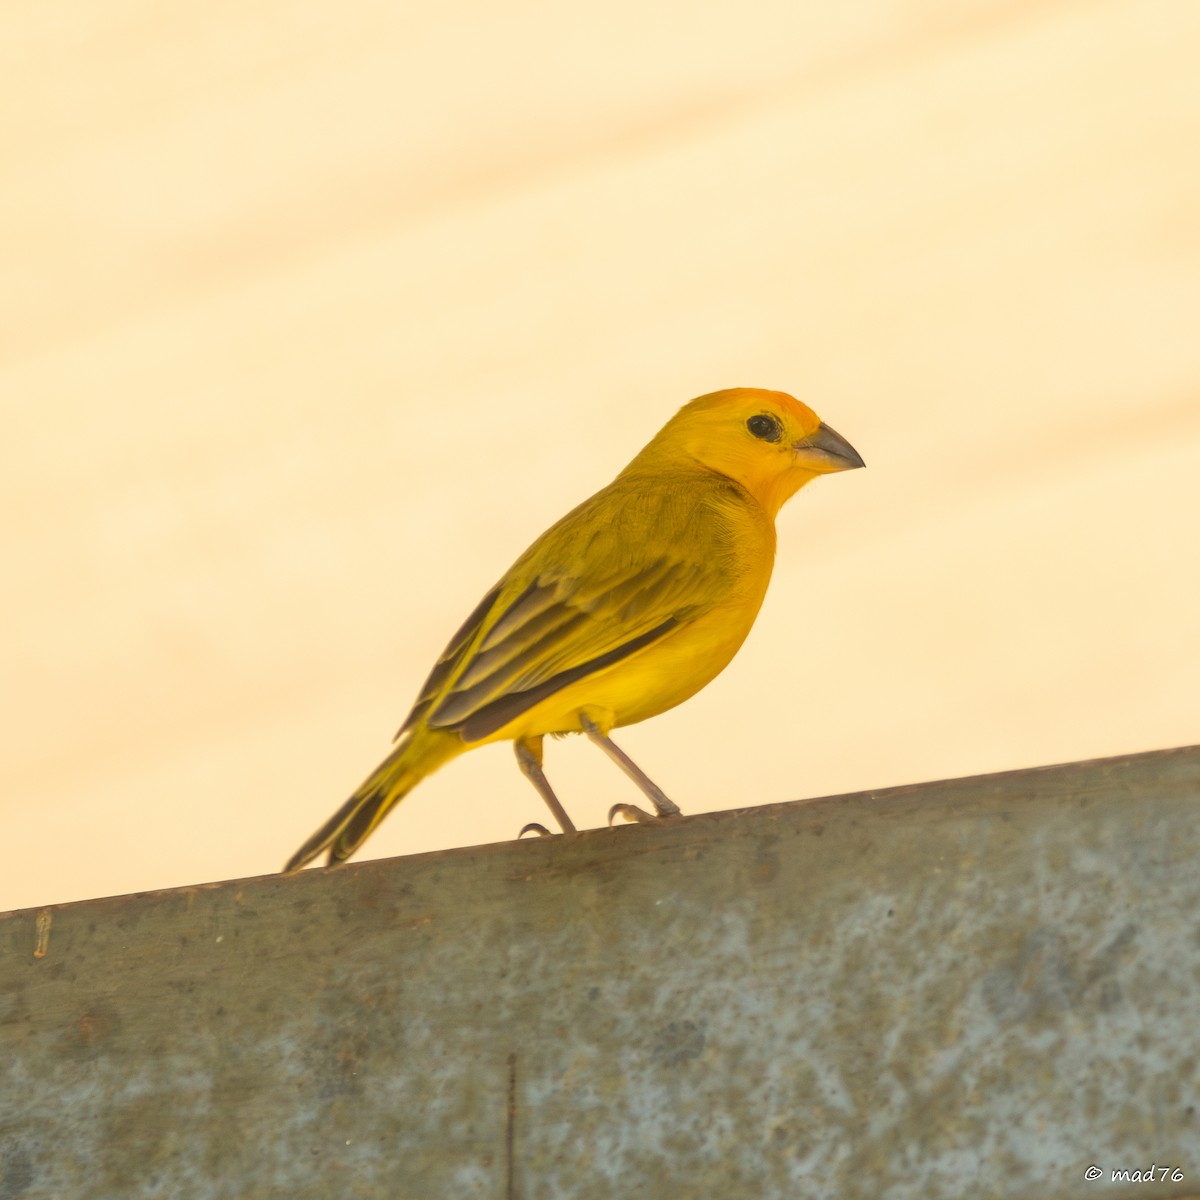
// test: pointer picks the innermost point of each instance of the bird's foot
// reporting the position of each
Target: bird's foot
(638, 816)
(534, 827)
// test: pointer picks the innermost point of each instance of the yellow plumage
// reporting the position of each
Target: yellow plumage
(624, 608)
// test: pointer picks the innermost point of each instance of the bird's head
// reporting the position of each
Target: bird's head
(769, 442)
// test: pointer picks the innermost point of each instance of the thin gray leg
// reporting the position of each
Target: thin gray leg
(529, 759)
(663, 806)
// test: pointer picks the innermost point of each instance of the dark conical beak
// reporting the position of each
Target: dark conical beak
(826, 451)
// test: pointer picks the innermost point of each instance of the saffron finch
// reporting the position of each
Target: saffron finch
(626, 607)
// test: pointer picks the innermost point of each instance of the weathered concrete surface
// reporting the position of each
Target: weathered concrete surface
(971, 988)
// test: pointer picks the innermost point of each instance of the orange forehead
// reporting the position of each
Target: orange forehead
(751, 400)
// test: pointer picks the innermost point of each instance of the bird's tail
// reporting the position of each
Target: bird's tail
(416, 755)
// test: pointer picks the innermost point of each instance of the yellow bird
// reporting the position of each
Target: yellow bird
(626, 607)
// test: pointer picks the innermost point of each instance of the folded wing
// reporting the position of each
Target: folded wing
(524, 643)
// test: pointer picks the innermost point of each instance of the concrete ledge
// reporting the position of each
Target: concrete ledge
(978, 987)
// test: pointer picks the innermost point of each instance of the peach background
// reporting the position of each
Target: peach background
(315, 314)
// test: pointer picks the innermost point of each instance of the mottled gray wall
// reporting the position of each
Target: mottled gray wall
(972, 988)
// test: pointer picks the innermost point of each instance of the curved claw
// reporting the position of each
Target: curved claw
(534, 827)
(631, 812)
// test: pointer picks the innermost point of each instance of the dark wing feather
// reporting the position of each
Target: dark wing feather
(524, 643)
(558, 631)
(450, 659)
(495, 714)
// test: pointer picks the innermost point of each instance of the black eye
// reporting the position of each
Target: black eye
(765, 426)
